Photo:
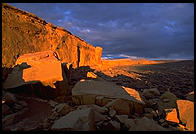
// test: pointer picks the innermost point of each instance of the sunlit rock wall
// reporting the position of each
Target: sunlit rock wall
(23, 32)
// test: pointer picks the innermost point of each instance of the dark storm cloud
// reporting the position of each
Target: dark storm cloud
(126, 29)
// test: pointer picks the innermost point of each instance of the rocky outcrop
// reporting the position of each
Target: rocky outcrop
(29, 33)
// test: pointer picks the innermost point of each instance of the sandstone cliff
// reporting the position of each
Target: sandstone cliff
(23, 32)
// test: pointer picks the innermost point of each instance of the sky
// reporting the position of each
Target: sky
(125, 30)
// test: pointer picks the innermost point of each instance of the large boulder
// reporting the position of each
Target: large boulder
(186, 113)
(150, 93)
(144, 124)
(108, 94)
(42, 68)
(168, 100)
(190, 96)
(79, 120)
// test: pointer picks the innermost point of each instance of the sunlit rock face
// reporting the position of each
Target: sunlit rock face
(39, 67)
(23, 33)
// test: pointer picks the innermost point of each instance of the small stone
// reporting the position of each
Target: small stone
(148, 115)
(10, 98)
(165, 124)
(166, 100)
(53, 116)
(171, 115)
(6, 109)
(129, 123)
(52, 103)
(122, 118)
(23, 103)
(18, 107)
(148, 110)
(161, 121)
(115, 125)
(112, 113)
(150, 93)
(63, 109)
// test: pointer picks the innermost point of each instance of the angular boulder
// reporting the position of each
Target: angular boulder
(145, 124)
(190, 96)
(186, 113)
(168, 100)
(150, 93)
(78, 120)
(171, 115)
(42, 68)
(108, 94)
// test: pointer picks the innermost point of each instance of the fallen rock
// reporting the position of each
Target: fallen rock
(52, 103)
(171, 100)
(97, 108)
(23, 103)
(112, 113)
(150, 93)
(12, 118)
(9, 98)
(63, 109)
(91, 75)
(82, 120)
(86, 92)
(111, 126)
(122, 118)
(148, 110)
(18, 107)
(171, 115)
(190, 96)
(186, 113)
(6, 110)
(42, 70)
(121, 106)
(129, 123)
(149, 115)
(145, 124)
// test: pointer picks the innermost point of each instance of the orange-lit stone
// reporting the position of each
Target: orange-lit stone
(3, 101)
(172, 115)
(186, 113)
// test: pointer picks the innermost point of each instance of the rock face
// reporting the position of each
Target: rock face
(40, 67)
(29, 33)
(186, 113)
(108, 94)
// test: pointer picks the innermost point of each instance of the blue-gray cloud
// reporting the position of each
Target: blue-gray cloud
(152, 30)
